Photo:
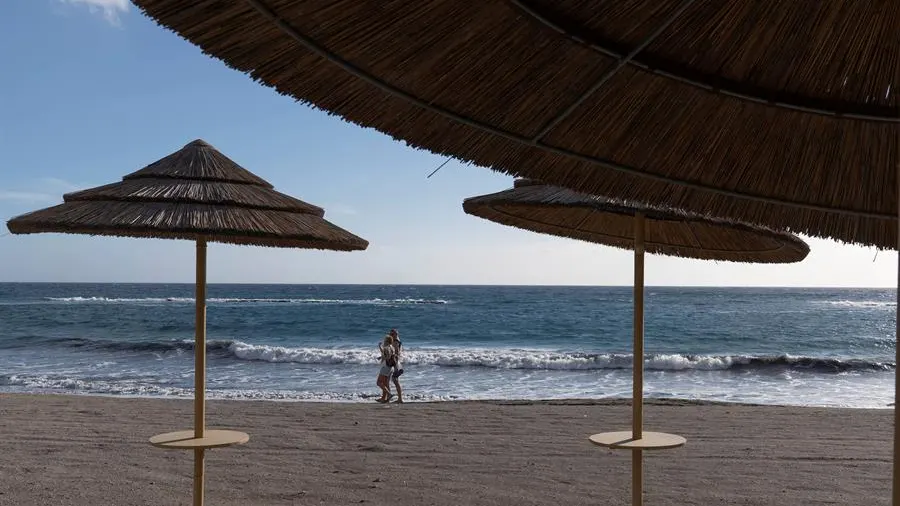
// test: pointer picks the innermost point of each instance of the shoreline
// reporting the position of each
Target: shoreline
(573, 401)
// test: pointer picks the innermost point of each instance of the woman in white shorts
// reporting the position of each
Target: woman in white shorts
(386, 347)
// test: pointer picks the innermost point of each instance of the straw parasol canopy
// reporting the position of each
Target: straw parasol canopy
(553, 210)
(784, 113)
(534, 206)
(196, 193)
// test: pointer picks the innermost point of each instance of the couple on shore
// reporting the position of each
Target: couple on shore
(390, 367)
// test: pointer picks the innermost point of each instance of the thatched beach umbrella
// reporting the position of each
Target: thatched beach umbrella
(198, 194)
(558, 211)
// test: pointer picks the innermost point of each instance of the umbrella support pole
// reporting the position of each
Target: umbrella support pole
(636, 439)
(199, 456)
(200, 370)
(199, 439)
(895, 472)
(637, 393)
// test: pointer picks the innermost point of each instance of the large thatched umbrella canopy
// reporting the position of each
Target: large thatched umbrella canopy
(547, 209)
(196, 193)
(791, 106)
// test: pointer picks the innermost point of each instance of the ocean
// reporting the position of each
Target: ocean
(820, 347)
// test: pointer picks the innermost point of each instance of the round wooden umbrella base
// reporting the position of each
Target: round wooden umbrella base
(623, 440)
(185, 440)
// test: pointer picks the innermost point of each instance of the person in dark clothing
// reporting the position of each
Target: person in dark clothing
(398, 368)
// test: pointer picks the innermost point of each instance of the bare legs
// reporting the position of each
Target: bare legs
(385, 386)
(399, 390)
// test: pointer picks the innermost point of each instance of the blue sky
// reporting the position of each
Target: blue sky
(93, 90)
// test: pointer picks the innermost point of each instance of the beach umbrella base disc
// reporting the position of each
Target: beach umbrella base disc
(623, 440)
(185, 440)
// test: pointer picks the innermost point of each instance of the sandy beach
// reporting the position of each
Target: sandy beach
(79, 450)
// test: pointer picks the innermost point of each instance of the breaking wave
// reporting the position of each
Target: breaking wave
(861, 304)
(488, 358)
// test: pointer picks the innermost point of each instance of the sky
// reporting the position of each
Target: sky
(92, 90)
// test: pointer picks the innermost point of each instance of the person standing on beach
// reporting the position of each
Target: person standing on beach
(386, 347)
(398, 369)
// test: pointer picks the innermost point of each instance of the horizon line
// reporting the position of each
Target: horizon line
(462, 285)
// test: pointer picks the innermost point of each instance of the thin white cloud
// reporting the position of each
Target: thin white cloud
(61, 185)
(44, 189)
(25, 196)
(109, 9)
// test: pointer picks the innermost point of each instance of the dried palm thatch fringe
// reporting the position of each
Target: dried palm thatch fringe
(771, 112)
(558, 211)
(196, 192)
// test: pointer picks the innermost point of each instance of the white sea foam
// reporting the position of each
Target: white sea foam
(844, 391)
(877, 304)
(540, 359)
(122, 300)
(146, 388)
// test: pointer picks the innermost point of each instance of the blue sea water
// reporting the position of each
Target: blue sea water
(824, 347)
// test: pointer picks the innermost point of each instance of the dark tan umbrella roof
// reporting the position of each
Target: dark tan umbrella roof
(558, 211)
(789, 104)
(196, 192)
